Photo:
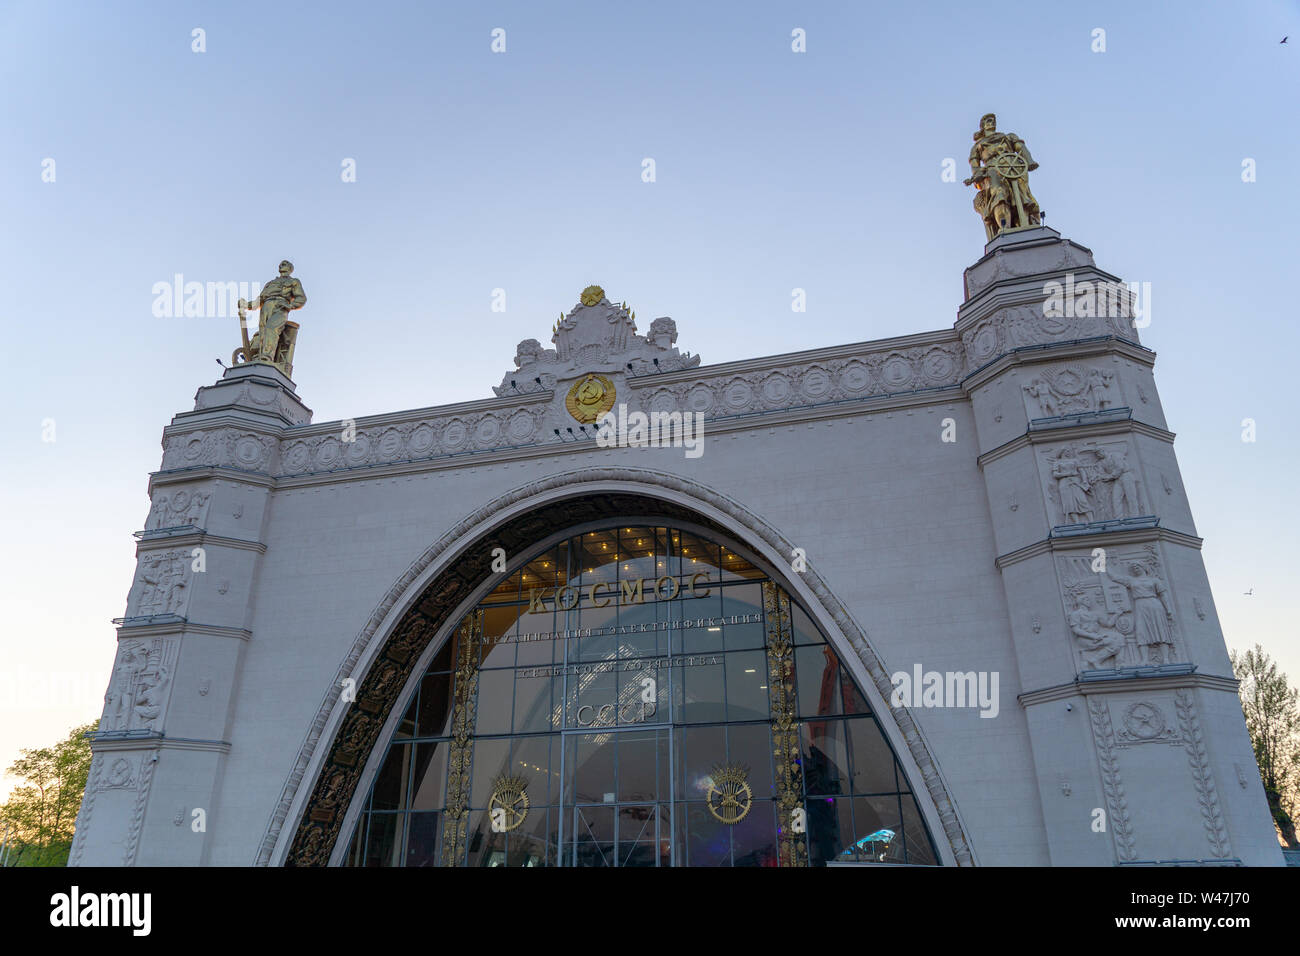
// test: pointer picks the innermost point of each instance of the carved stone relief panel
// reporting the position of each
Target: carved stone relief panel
(177, 506)
(228, 447)
(1095, 480)
(161, 584)
(1054, 390)
(1122, 613)
(137, 691)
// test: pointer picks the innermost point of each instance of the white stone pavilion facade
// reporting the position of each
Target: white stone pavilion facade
(999, 499)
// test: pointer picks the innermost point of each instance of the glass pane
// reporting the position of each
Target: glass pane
(596, 555)
(430, 776)
(753, 839)
(642, 765)
(698, 640)
(855, 702)
(634, 685)
(638, 835)
(507, 590)
(825, 758)
(920, 851)
(743, 636)
(708, 841)
(485, 847)
(817, 673)
(539, 572)
(593, 836)
(604, 641)
(805, 632)
(747, 685)
(390, 785)
(532, 843)
(406, 726)
(591, 759)
(498, 647)
(694, 608)
(743, 599)
(697, 554)
(873, 761)
(433, 718)
(496, 692)
(491, 759)
(699, 750)
(532, 759)
(592, 699)
(535, 707)
(735, 567)
(699, 691)
(830, 828)
(442, 661)
(878, 830)
(750, 745)
(422, 839)
(356, 851)
(637, 553)
(384, 847)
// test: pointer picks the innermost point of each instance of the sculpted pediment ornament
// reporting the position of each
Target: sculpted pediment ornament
(596, 336)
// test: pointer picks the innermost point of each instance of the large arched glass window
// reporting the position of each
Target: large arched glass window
(638, 696)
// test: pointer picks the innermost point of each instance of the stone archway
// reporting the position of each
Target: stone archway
(441, 582)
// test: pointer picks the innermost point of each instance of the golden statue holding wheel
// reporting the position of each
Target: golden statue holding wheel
(275, 337)
(1000, 165)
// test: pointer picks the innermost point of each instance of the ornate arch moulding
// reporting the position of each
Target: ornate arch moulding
(459, 562)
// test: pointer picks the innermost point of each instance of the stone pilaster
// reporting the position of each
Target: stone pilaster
(165, 731)
(1127, 688)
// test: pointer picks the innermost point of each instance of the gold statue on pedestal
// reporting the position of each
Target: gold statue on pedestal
(275, 337)
(1000, 165)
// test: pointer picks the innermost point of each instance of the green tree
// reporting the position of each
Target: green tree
(1272, 709)
(41, 813)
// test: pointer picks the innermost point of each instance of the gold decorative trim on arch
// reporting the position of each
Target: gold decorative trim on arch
(792, 846)
(465, 700)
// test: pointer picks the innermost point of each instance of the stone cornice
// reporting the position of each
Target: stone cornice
(179, 627)
(196, 539)
(1125, 685)
(1042, 436)
(1101, 540)
(244, 422)
(176, 476)
(1021, 290)
(1057, 352)
(156, 742)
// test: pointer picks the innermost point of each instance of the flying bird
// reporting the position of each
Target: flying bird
(1283, 40)
(1248, 593)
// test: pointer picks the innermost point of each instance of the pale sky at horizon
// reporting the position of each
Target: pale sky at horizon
(522, 171)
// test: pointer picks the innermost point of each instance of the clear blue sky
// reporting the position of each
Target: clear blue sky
(522, 170)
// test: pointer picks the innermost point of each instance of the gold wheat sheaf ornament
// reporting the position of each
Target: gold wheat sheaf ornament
(730, 798)
(508, 805)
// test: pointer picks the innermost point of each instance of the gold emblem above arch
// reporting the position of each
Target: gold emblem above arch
(590, 398)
